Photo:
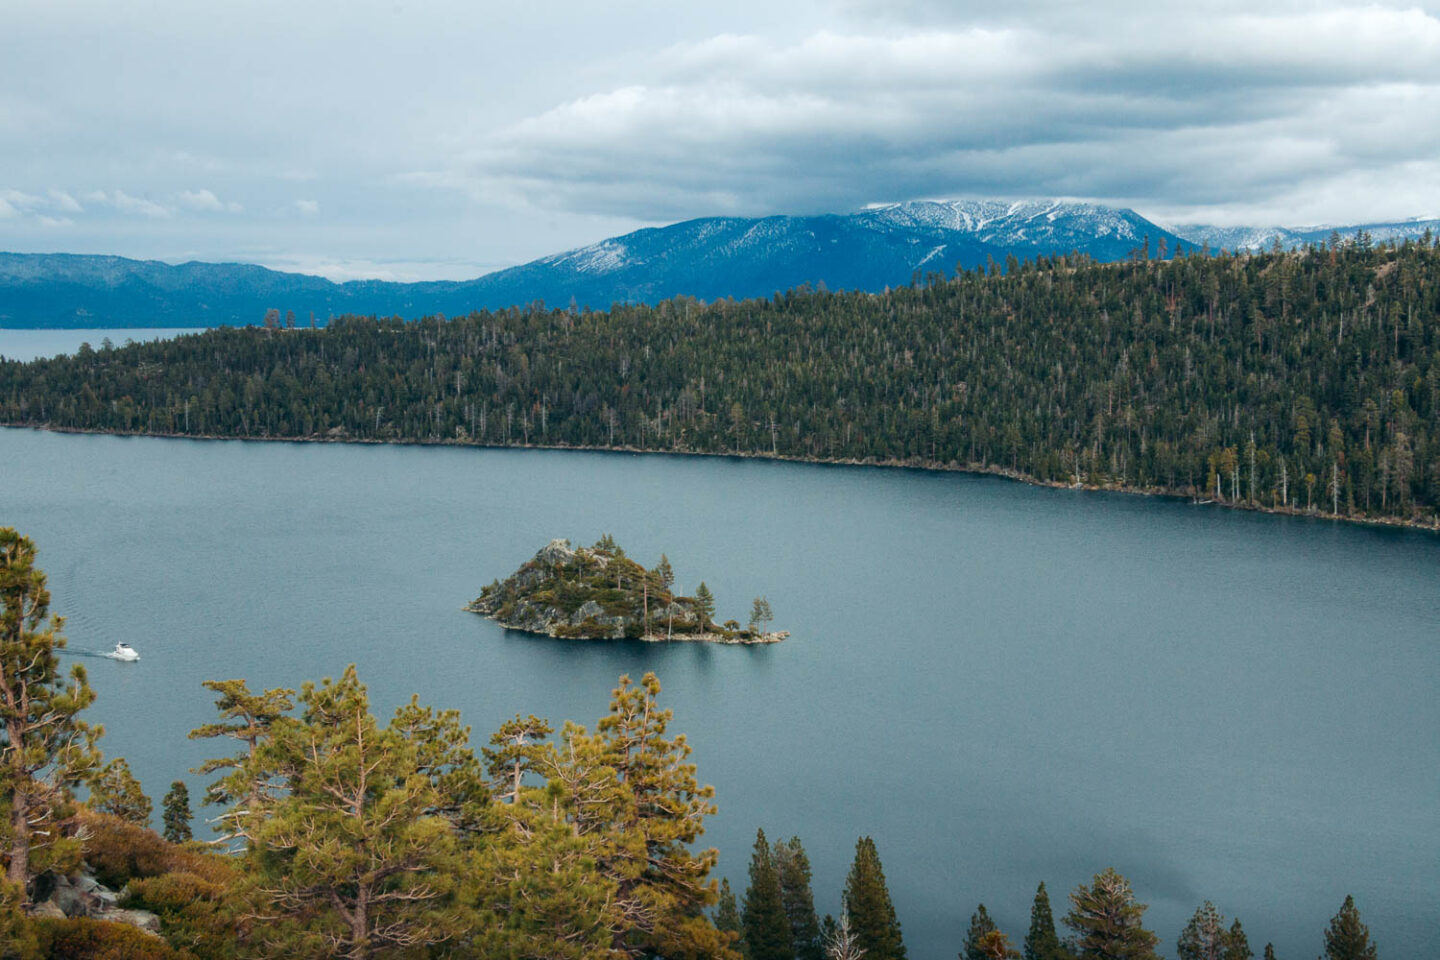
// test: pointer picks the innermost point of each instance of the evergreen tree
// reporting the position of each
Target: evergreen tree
(841, 941)
(176, 815)
(994, 945)
(794, 868)
(1042, 942)
(980, 926)
(666, 574)
(767, 931)
(116, 791)
(704, 605)
(46, 750)
(760, 614)
(867, 901)
(661, 812)
(1237, 945)
(1204, 935)
(727, 914)
(1269, 951)
(355, 861)
(248, 718)
(1107, 920)
(1347, 938)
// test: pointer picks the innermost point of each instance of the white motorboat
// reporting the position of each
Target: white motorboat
(123, 651)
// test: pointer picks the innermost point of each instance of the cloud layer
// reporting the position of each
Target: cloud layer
(1307, 114)
(470, 136)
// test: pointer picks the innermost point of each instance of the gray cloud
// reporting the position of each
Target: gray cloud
(1186, 111)
(450, 138)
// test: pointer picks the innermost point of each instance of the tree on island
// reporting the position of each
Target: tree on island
(704, 605)
(47, 749)
(760, 615)
(176, 813)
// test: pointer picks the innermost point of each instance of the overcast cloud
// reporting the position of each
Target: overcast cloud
(441, 139)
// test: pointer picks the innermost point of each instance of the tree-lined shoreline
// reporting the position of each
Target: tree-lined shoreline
(1304, 383)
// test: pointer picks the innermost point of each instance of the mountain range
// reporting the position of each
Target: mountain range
(708, 258)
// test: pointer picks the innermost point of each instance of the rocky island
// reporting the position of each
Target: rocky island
(598, 593)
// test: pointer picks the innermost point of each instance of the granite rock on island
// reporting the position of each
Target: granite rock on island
(598, 593)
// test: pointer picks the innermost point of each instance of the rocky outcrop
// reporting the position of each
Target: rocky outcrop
(81, 895)
(598, 593)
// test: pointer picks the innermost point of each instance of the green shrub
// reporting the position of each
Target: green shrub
(119, 852)
(81, 938)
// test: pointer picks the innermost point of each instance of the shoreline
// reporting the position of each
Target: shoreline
(761, 640)
(929, 466)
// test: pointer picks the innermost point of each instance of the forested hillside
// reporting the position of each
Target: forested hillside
(1305, 380)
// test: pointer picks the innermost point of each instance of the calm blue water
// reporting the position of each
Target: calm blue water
(1002, 684)
(31, 344)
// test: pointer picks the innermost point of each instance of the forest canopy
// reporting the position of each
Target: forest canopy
(1293, 380)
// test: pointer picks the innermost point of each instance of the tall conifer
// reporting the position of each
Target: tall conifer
(1042, 942)
(767, 931)
(872, 915)
(1347, 938)
(1107, 920)
(980, 926)
(1237, 945)
(794, 868)
(176, 813)
(727, 914)
(46, 748)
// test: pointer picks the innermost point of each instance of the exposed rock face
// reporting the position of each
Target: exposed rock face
(598, 593)
(84, 896)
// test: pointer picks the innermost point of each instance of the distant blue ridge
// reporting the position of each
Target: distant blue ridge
(709, 258)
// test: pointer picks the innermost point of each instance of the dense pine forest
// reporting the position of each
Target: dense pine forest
(342, 835)
(1302, 381)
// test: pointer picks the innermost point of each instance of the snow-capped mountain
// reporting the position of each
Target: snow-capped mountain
(1290, 238)
(709, 258)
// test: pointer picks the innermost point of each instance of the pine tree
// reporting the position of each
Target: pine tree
(116, 791)
(666, 574)
(1042, 942)
(794, 868)
(1237, 945)
(356, 859)
(767, 931)
(246, 717)
(1204, 935)
(841, 941)
(980, 926)
(995, 945)
(704, 605)
(661, 812)
(176, 815)
(1107, 920)
(727, 914)
(760, 614)
(1347, 938)
(867, 901)
(1269, 951)
(47, 750)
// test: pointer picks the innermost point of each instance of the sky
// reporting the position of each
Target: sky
(410, 140)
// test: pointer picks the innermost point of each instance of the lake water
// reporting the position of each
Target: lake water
(1002, 684)
(32, 344)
